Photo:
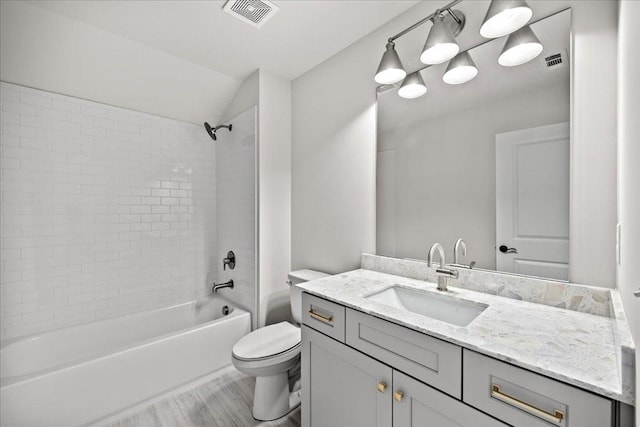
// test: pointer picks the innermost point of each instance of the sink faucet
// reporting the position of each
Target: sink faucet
(460, 244)
(443, 272)
(217, 287)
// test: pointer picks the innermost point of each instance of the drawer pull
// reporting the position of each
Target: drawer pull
(320, 317)
(556, 417)
(398, 395)
(382, 387)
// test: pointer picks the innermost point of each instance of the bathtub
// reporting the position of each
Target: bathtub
(79, 375)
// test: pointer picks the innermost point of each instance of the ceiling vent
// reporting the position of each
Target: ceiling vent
(254, 12)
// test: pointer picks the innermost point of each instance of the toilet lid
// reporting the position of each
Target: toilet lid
(267, 341)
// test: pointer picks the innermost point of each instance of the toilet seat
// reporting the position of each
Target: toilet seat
(269, 342)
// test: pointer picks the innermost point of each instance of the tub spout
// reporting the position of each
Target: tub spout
(218, 286)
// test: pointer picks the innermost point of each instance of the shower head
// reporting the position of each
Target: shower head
(212, 131)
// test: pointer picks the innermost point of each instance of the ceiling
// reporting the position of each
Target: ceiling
(301, 35)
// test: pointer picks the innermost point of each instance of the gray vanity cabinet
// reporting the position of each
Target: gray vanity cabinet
(342, 387)
(360, 370)
(421, 405)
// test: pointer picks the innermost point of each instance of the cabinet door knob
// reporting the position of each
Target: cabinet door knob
(382, 387)
(398, 395)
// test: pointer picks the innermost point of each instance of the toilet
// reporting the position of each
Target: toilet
(272, 355)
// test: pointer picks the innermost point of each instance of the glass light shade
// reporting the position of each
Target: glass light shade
(460, 70)
(413, 86)
(390, 70)
(504, 17)
(520, 48)
(440, 45)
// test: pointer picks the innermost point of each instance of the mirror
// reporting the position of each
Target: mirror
(486, 161)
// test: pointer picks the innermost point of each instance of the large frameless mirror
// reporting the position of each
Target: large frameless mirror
(486, 161)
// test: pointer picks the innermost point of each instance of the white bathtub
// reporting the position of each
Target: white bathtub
(78, 375)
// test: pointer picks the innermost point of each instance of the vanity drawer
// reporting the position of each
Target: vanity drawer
(323, 316)
(524, 398)
(432, 361)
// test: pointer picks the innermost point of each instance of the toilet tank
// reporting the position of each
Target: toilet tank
(296, 277)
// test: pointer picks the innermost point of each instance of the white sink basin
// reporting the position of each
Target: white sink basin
(436, 306)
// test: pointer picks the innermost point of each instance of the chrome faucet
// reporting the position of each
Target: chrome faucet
(432, 250)
(218, 286)
(460, 246)
(443, 272)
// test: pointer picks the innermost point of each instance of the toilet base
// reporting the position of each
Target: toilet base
(272, 399)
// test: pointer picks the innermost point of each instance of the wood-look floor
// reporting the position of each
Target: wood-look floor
(225, 401)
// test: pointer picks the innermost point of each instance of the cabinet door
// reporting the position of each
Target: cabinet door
(342, 387)
(421, 405)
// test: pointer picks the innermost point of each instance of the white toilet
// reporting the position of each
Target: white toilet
(272, 355)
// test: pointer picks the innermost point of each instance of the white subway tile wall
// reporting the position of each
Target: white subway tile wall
(104, 211)
(236, 194)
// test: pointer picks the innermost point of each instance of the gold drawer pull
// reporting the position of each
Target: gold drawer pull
(382, 387)
(556, 417)
(398, 395)
(320, 317)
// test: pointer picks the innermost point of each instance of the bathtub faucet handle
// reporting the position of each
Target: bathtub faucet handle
(217, 287)
(230, 261)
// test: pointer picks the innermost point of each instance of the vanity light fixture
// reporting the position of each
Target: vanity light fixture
(520, 48)
(504, 17)
(390, 70)
(440, 45)
(413, 86)
(461, 69)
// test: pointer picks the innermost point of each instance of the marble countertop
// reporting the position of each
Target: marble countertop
(577, 348)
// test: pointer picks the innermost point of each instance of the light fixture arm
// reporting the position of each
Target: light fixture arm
(454, 16)
(428, 18)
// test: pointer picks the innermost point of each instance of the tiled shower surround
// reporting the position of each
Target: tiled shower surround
(235, 207)
(104, 211)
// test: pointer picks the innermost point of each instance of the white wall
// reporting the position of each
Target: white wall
(444, 174)
(333, 161)
(628, 170)
(246, 97)
(272, 95)
(104, 211)
(274, 171)
(334, 122)
(45, 50)
(593, 143)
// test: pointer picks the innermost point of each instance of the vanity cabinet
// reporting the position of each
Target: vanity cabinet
(343, 387)
(360, 370)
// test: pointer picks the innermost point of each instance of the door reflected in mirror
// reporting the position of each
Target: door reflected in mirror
(486, 161)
